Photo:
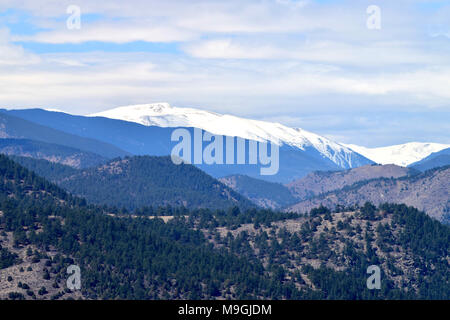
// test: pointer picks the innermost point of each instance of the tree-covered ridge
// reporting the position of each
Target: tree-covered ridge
(140, 181)
(17, 182)
(134, 182)
(44, 168)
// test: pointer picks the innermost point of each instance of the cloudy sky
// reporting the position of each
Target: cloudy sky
(316, 64)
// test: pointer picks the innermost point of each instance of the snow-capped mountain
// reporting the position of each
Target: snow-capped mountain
(402, 154)
(164, 115)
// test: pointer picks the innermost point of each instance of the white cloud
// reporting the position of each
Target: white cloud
(110, 32)
(12, 55)
(229, 49)
(99, 80)
(271, 58)
(367, 54)
(343, 19)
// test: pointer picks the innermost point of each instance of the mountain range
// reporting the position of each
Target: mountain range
(434, 160)
(164, 115)
(300, 151)
(141, 181)
(402, 154)
(310, 165)
(146, 130)
(105, 195)
(20, 128)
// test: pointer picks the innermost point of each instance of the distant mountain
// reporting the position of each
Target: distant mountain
(317, 183)
(428, 191)
(19, 128)
(164, 115)
(401, 155)
(263, 193)
(434, 160)
(295, 161)
(52, 152)
(134, 182)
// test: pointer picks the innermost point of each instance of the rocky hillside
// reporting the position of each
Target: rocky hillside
(276, 196)
(327, 253)
(52, 152)
(320, 182)
(428, 191)
(32, 273)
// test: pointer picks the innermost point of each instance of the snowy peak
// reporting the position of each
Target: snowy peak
(164, 115)
(345, 156)
(138, 113)
(402, 154)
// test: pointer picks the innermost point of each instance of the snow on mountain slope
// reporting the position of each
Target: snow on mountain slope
(164, 115)
(402, 154)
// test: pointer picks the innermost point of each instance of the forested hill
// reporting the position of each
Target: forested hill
(18, 183)
(139, 181)
(43, 230)
(49, 170)
(211, 254)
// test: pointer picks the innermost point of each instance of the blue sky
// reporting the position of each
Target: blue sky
(304, 63)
